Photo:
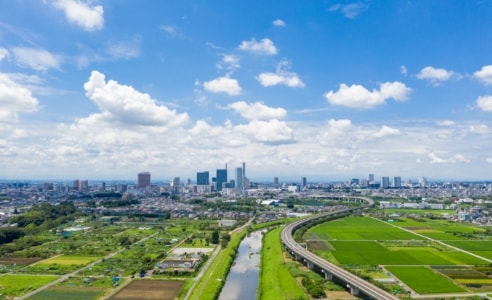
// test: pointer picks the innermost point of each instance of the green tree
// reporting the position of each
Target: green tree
(214, 238)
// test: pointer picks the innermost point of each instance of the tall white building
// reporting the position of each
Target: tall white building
(385, 182)
(397, 182)
(239, 178)
(422, 181)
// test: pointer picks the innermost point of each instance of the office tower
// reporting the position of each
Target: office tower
(84, 185)
(103, 186)
(385, 182)
(121, 188)
(303, 182)
(371, 178)
(239, 178)
(397, 182)
(422, 182)
(175, 184)
(202, 178)
(244, 175)
(221, 178)
(143, 180)
(275, 180)
(76, 184)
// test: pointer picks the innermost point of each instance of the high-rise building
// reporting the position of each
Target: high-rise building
(175, 183)
(143, 180)
(397, 182)
(371, 178)
(275, 180)
(303, 182)
(385, 182)
(422, 181)
(239, 178)
(84, 185)
(202, 178)
(76, 184)
(221, 178)
(121, 188)
(244, 176)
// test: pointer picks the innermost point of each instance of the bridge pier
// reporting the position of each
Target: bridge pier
(309, 265)
(354, 291)
(328, 275)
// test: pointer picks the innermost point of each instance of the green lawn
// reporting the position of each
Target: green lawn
(16, 285)
(276, 281)
(360, 228)
(424, 280)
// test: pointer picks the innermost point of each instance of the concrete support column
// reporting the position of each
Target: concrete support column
(354, 291)
(328, 275)
(310, 265)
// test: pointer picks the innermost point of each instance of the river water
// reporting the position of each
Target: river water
(242, 280)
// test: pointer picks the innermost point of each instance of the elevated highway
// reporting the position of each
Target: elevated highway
(357, 286)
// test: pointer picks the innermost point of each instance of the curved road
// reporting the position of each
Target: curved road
(353, 281)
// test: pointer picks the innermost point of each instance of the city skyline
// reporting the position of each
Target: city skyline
(327, 90)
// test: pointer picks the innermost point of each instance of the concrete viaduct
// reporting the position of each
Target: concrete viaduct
(357, 286)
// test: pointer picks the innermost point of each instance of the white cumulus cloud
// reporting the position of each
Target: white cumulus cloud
(485, 103)
(457, 158)
(82, 14)
(268, 132)
(279, 23)
(3, 53)
(127, 105)
(479, 129)
(435, 75)
(484, 75)
(446, 123)
(386, 130)
(281, 76)
(14, 99)
(263, 47)
(271, 79)
(229, 62)
(257, 111)
(357, 96)
(36, 59)
(225, 84)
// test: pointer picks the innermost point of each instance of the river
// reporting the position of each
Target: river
(242, 280)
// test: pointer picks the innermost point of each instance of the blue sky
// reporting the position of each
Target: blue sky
(329, 90)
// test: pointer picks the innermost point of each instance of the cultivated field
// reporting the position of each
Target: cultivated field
(150, 290)
(19, 261)
(424, 265)
(72, 293)
(423, 280)
(12, 285)
(69, 260)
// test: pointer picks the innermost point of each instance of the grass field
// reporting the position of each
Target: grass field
(424, 280)
(16, 285)
(360, 228)
(69, 260)
(276, 282)
(372, 253)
